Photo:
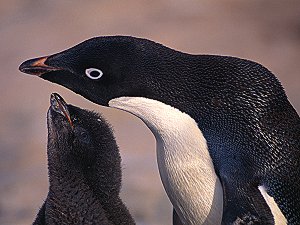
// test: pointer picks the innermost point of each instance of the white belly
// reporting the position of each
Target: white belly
(278, 216)
(185, 166)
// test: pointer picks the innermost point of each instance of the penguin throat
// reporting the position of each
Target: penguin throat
(184, 163)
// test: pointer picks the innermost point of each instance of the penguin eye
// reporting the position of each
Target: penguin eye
(82, 135)
(93, 73)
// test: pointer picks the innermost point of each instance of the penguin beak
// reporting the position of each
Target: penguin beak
(59, 105)
(37, 66)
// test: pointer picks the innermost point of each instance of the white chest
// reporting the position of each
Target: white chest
(184, 162)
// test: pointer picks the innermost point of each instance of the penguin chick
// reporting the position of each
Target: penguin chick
(84, 169)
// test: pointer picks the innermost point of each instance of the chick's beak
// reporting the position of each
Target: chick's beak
(37, 66)
(59, 105)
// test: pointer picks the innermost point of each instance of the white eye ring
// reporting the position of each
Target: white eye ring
(96, 73)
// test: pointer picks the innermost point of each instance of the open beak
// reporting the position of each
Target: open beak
(37, 66)
(59, 105)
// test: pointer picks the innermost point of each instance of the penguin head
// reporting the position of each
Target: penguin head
(82, 141)
(99, 69)
(105, 68)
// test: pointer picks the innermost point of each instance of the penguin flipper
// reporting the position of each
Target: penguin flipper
(40, 218)
(244, 204)
(176, 219)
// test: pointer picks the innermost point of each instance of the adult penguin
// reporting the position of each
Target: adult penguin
(252, 131)
(84, 169)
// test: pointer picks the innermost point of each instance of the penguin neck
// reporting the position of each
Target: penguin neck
(67, 191)
(93, 191)
(62, 170)
(185, 166)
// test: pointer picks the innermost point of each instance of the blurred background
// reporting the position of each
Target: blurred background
(265, 31)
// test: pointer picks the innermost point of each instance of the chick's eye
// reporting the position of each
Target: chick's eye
(82, 135)
(93, 73)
